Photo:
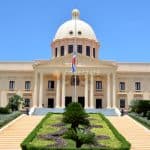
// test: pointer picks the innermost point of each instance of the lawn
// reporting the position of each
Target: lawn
(41, 139)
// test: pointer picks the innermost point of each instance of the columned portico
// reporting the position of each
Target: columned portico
(63, 89)
(58, 92)
(108, 91)
(114, 90)
(86, 91)
(92, 92)
(41, 90)
(35, 94)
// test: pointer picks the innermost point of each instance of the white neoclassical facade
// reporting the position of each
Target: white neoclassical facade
(99, 83)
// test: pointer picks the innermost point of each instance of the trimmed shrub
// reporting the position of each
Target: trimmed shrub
(140, 106)
(4, 110)
(6, 118)
(148, 115)
(140, 119)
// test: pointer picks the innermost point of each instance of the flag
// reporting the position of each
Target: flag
(74, 62)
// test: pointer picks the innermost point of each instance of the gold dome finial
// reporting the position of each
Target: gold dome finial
(75, 14)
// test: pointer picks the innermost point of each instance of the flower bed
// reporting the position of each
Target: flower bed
(50, 131)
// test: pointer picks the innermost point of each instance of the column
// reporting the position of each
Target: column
(35, 96)
(92, 92)
(63, 90)
(86, 91)
(58, 92)
(41, 90)
(108, 91)
(114, 89)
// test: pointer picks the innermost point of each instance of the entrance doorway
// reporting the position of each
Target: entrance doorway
(50, 103)
(122, 103)
(81, 101)
(68, 100)
(98, 103)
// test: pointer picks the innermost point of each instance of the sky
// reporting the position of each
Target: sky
(27, 27)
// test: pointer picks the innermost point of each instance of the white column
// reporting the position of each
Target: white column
(63, 90)
(108, 91)
(35, 96)
(86, 91)
(58, 92)
(114, 89)
(41, 90)
(92, 92)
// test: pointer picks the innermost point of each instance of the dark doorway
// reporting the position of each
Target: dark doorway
(98, 103)
(68, 100)
(50, 103)
(122, 103)
(81, 101)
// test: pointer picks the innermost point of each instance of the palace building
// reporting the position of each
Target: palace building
(51, 83)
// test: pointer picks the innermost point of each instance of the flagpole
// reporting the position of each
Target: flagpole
(75, 50)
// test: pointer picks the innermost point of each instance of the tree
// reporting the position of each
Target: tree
(14, 102)
(76, 116)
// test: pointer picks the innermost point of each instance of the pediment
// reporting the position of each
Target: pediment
(82, 61)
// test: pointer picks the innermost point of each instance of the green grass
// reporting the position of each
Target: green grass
(33, 142)
(6, 118)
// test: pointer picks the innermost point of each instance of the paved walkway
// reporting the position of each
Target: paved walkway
(135, 133)
(13, 135)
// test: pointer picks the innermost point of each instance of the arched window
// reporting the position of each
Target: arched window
(73, 80)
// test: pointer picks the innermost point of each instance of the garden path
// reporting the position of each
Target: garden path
(14, 134)
(135, 133)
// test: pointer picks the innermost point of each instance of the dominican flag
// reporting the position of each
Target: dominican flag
(74, 62)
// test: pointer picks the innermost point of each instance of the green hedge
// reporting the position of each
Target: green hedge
(140, 119)
(125, 144)
(4, 110)
(6, 118)
(25, 145)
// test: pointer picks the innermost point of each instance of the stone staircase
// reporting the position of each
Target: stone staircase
(107, 112)
(135, 133)
(12, 135)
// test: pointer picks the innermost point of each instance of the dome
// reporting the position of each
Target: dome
(83, 30)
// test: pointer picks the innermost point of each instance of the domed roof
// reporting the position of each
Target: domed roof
(83, 30)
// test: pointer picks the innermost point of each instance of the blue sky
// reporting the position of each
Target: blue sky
(27, 27)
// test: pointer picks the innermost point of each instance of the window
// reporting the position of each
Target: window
(98, 85)
(27, 85)
(73, 80)
(79, 49)
(70, 49)
(11, 85)
(94, 52)
(70, 32)
(27, 102)
(137, 86)
(87, 50)
(56, 52)
(122, 103)
(62, 50)
(50, 85)
(79, 32)
(122, 86)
